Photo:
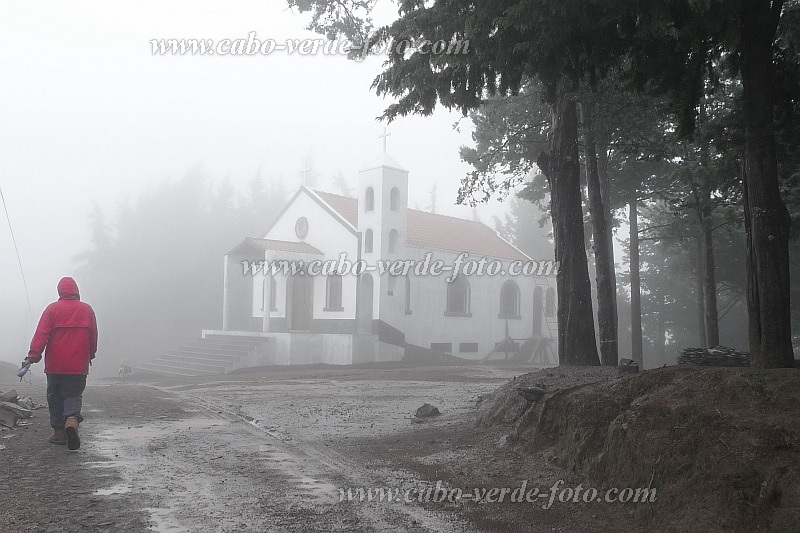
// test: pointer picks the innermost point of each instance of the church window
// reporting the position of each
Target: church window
(369, 200)
(537, 311)
(444, 347)
(468, 347)
(368, 241)
(458, 295)
(333, 293)
(393, 238)
(394, 199)
(509, 300)
(550, 302)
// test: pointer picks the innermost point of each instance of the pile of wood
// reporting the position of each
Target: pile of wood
(13, 408)
(628, 366)
(716, 356)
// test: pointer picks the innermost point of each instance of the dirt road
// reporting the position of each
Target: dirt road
(275, 451)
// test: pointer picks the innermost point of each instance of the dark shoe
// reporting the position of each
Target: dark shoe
(71, 427)
(59, 436)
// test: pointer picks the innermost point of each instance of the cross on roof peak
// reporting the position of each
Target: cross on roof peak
(383, 136)
(306, 169)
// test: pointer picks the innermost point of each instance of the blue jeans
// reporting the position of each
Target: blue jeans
(64, 397)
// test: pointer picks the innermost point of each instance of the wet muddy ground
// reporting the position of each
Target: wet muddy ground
(274, 450)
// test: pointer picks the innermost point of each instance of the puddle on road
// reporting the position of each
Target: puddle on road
(122, 446)
(309, 489)
(104, 464)
(161, 522)
(119, 488)
(273, 455)
(154, 429)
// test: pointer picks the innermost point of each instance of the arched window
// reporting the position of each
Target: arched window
(408, 294)
(368, 241)
(394, 199)
(550, 302)
(369, 200)
(333, 293)
(509, 300)
(458, 297)
(273, 294)
(393, 238)
(391, 285)
(538, 308)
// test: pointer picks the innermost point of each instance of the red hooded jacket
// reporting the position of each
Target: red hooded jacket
(68, 331)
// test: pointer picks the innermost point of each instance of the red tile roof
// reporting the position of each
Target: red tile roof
(346, 206)
(440, 232)
(437, 232)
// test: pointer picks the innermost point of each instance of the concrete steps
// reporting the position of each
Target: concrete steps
(230, 357)
(212, 355)
(169, 370)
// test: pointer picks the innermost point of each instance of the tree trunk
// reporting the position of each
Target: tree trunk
(576, 338)
(702, 194)
(636, 284)
(605, 192)
(661, 333)
(604, 265)
(766, 218)
(700, 292)
(710, 287)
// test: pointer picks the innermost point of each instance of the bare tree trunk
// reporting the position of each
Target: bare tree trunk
(604, 266)
(605, 191)
(576, 340)
(766, 218)
(661, 333)
(704, 209)
(700, 292)
(710, 287)
(636, 285)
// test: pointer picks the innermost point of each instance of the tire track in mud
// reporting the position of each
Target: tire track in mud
(216, 469)
(343, 471)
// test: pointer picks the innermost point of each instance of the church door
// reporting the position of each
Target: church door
(365, 304)
(300, 303)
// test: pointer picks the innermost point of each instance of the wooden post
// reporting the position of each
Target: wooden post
(226, 289)
(636, 295)
(267, 299)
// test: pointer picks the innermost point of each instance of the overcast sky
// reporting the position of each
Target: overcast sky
(90, 114)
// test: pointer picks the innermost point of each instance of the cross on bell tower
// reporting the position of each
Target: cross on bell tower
(306, 169)
(383, 136)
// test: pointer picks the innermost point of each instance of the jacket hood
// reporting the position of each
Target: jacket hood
(68, 289)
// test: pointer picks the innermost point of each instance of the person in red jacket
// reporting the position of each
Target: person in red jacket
(67, 335)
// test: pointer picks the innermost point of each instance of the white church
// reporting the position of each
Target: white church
(323, 316)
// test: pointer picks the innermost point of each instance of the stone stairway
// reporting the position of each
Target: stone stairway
(211, 355)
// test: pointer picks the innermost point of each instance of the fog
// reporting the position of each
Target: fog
(91, 116)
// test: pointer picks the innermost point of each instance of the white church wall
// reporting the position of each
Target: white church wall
(313, 348)
(428, 322)
(328, 236)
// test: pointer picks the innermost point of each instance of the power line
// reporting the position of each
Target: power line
(16, 249)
